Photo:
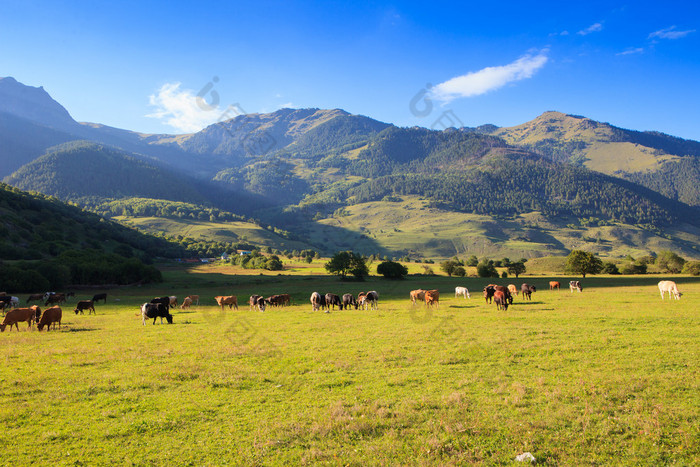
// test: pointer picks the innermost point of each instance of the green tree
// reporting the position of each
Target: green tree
(692, 267)
(582, 262)
(669, 261)
(392, 270)
(460, 271)
(516, 268)
(449, 266)
(486, 269)
(472, 261)
(347, 262)
(610, 268)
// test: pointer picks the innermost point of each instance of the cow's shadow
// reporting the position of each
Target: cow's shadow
(527, 303)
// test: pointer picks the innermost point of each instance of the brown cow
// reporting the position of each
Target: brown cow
(554, 285)
(512, 289)
(432, 297)
(186, 303)
(194, 298)
(50, 316)
(84, 305)
(505, 291)
(13, 317)
(173, 301)
(418, 294)
(500, 299)
(55, 298)
(230, 300)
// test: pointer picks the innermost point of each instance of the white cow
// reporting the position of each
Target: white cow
(463, 292)
(670, 287)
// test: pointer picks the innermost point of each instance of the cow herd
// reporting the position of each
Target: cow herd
(33, 314)
(329, 301)
(159, 307)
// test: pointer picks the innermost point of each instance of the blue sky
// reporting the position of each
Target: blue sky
(141, 65)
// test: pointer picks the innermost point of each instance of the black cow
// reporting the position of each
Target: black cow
(84, 305)
(156, 310)
(100, 296)
(165, 301)
(332, 300)
(349, 300)
(527, 289)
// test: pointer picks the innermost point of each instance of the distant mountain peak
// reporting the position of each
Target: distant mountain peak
(33, 103)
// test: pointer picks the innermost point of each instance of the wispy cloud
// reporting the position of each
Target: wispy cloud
(637, 50)
(182, 109)
(490, 78)
(595, 27)
(670, 33)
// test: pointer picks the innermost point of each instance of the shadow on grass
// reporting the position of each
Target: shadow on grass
(81, 329)
(526, 303)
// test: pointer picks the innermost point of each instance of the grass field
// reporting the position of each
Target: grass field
(607, 376)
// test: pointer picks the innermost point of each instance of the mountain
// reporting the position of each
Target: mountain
(83, 169)
(658, 161)
(320, 178)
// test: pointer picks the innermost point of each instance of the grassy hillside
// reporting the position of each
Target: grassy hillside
(410, 225)
(35, 226)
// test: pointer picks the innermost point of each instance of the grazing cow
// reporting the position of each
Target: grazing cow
(6, 301)
(349, 300)
(155, 310)
(99, 296)
(488, 292)
(276, 300)
(84, 305)
(575, 285)
(261, 303)
(286, 299)
(500, 299)
(671, 288)
(527, 289)
(253, 301)
(318, 301)
(360, 298)
(512, 289)
(554, 285)
(164, 300)
(18, 315)
(55, 298)
(369, 299)
(332, 300)
(173, 301)
(186, 303)
(417, 295)
(505, 291)
(463, 292)
(35, 297)
(50, 316)
(432, 297)
(194, 298)
(230, 300)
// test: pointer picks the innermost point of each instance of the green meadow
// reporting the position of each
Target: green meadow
(607, 376)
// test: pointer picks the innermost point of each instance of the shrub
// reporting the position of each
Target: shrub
(392, 270)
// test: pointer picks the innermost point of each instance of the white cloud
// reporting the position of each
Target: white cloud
(182, 109)
(490, 78)
(595, 27)
(637, 50)
(670, 33)
(288, 105)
